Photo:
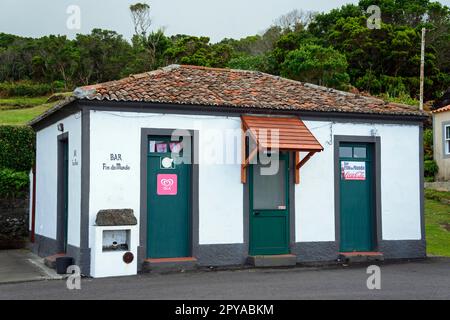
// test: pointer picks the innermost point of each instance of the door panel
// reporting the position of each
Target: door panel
(269, 214)
(357, 221)
(63, 195)
(168, 185)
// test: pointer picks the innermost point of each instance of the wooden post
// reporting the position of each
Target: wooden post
(422, 68)
(243, 148)
(297, 169)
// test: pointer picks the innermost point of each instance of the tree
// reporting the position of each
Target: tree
(140, 13)
(59, 58)
(295, 20)
(104, 55)
(246, 62)
(318, 65)
(189, 50)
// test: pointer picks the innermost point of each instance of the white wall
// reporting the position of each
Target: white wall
(400, 182)
(47, 178)
(221, 200)
(442, 160)
(221, 193)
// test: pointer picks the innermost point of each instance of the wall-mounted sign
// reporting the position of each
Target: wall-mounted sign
(116, 163)
(353, 170)
(74, 158)
(167, 184)
(167, 163)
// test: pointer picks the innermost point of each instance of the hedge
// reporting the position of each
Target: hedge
(13, 184)
(24, 89)
(17, 148)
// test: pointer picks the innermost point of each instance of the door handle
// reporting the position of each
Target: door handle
(256, 213)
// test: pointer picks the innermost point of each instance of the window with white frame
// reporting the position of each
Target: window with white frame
(447, 139)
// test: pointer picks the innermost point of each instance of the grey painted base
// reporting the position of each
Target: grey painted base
(320, 252)
(222, 254)
(237, 254)
(316, 251)
(403, 249)
(44, 247)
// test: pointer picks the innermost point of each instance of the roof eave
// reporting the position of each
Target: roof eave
(225, 109)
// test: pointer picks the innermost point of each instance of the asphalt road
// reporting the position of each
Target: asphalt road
(428, 279)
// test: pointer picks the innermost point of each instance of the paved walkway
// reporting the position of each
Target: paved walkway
(22, 265)
(428, 279)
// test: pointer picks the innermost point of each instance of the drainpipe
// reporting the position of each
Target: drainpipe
(33, 205)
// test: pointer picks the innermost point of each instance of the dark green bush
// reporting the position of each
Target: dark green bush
(369, 82)
(24, 89)
(428, 144)
(16, 148)
(430, 168)
(13, 184)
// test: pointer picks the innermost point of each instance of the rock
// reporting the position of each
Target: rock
(116, 217)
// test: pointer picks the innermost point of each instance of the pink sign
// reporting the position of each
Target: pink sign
(353, 170)
(167, 184)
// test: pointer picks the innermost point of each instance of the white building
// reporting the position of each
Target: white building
(349, 176)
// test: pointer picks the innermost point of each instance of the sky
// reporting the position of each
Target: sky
(216, 19)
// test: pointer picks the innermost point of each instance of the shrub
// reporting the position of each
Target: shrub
(13, 184)
(316, 64)
(256, 63)
(430, 168)
(16, 148)
(369, 82)
(393, 86)
(428, 144)
(24, 89)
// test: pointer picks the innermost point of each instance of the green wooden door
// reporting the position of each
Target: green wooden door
(168, 200)
(65, 193)
(269, 214)
(357, 220)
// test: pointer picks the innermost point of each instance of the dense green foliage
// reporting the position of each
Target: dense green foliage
(315, 64)
(334, 49)
(430, 168)
(25, 89)
(13, 184)
(428, 144)
(16, 147)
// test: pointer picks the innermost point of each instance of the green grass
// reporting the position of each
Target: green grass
(21, 102)
(437, 218)
(20, 110)
(22, 116)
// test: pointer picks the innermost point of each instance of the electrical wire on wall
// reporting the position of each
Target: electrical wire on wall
(330, 125)
(193, 117)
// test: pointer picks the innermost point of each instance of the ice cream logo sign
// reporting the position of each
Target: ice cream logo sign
(353, 170)
(167, 184)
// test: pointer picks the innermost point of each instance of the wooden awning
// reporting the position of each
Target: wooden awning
(277, 133)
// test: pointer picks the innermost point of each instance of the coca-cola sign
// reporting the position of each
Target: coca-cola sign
(353, 170)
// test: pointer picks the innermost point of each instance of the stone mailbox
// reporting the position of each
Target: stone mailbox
(115, 243)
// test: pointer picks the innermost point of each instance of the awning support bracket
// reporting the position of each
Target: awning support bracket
(300, 163)
(246, 161)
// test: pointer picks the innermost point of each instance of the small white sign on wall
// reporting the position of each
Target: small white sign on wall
(353, 170)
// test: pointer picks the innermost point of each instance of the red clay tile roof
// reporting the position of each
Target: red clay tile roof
(202, 86)
(443, 109)
(181, 84)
